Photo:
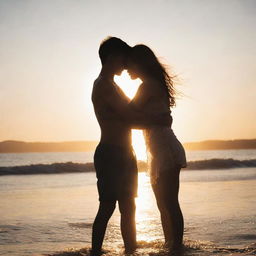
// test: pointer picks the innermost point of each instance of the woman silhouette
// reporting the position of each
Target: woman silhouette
(166, 155)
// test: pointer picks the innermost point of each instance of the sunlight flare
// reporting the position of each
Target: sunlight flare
(128, 85)
(138, 144)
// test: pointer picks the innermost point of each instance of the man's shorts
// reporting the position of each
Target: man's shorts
(116, 171)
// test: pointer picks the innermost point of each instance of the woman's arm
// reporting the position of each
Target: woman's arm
(139, 103)
(141, 97)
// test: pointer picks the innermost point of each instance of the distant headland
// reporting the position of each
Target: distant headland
(221, 144)
(12, 146)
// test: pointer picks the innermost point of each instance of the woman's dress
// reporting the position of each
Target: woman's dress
(164, 151)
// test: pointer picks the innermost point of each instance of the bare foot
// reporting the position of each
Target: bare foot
(176, 251)
(130, 250)
(97, 253)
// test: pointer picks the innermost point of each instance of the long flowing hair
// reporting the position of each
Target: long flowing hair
(149, 64)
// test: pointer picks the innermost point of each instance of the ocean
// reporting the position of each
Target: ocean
(52, 214)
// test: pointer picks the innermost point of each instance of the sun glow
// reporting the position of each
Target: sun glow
(130, 88)
(138, 144)
(128, 85)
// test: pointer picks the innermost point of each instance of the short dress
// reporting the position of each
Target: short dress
(116, 171)
(165, 152)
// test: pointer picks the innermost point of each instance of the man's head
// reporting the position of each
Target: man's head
(114, 51)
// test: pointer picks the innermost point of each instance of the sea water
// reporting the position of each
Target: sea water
(43, 214)
(17, 159)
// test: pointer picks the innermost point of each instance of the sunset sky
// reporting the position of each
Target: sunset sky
(49, 60)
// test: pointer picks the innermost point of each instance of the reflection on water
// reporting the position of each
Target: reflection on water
(144, 202)
(147, 216)
(47, 213)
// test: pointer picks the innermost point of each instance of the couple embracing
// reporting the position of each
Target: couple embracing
(114, 158)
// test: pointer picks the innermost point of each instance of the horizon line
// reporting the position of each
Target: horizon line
(93, 141)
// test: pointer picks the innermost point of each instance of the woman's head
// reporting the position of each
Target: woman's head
(143, 63)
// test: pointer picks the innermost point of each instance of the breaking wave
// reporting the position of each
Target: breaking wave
(70, 167)
(220, 164)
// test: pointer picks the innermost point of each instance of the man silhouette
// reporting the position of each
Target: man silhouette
(114, 159)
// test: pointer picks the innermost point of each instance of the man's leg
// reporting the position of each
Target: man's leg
(127, 209)
(105, 211)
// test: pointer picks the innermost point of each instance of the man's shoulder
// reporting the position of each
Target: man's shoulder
(101, 84)
(101, 88)
(98, 80)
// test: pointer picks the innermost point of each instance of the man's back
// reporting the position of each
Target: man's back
(113, 129)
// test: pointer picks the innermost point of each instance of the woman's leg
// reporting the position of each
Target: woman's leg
(164, 213)
(127, 209)
(166, 191)
(173, 206)
(105, 211)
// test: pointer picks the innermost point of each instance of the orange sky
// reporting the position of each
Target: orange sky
(49, 61)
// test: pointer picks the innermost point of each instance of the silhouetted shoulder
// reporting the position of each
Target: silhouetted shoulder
(100, 87)
(101, 83)
(97, 82)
